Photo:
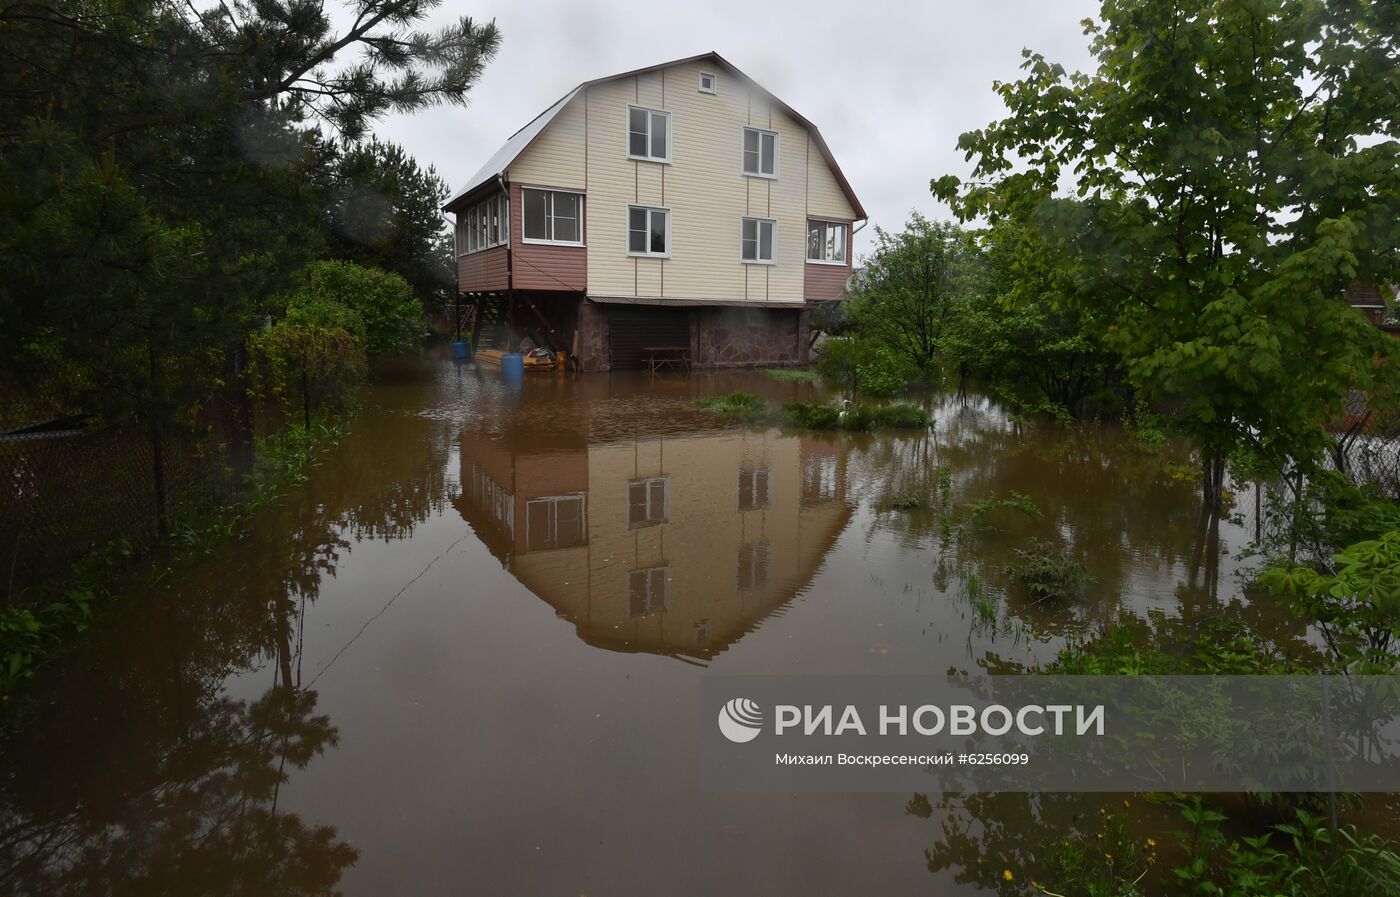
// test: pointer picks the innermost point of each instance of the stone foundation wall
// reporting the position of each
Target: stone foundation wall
(749, 337)
(592, 337)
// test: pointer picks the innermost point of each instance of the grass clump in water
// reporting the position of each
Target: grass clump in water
(1046, 571)
(900, 416)
(905, 501)
(740, 404)
(791, 375)
(856, 418)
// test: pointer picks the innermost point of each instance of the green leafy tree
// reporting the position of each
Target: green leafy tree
(904, 296)
(158, 174)
(1011, 327)
(1235, 167)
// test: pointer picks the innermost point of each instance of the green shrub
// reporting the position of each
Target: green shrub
(886, 373)
(737, 404)
(306, 366)
(899, 416)
(813, 415)
(843, 360)
(856, 418)
(1357, 607)
(905, 501)
(1046, 571)
(392, 317)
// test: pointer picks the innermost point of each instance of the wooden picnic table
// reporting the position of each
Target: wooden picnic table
(658, 357)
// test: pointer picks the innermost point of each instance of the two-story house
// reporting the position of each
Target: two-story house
(679, 205)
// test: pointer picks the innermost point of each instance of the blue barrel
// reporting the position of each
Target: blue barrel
(461, 349)
(512, 365)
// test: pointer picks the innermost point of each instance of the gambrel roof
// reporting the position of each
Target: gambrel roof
(496, 166)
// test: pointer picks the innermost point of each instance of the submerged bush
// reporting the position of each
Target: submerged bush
(856, 418)
(1046, 571)
(813, 415)
(905, 501)
(900, 416)
(737, 404)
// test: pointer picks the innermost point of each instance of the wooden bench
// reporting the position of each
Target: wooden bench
(658, 357)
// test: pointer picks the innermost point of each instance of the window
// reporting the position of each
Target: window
(557, 521)
(483, 225)
(707, 83)
(488, 495)
(826, 242)
(648, 231)
(758, 236)
(648, 134)
(760, 153)
(648, 591)
(753, 488)
(753, 565)
(819, 482)
(552, 216)
(648, 502)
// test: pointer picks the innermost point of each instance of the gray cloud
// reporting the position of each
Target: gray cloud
(891, 85)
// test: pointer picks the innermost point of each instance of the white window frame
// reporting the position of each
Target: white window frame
(714, 83)
(549, 504)
(845, 244)
(473, 232)
(549, 215)
(654, 603)
(646, 483)
(761, 132)
(664, 160)
(757, 502)
(758, 240)
(627, 231)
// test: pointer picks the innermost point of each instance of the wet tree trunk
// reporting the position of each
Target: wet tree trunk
(1213, 477)
(157, 455)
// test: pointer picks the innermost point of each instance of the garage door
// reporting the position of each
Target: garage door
(630, 330)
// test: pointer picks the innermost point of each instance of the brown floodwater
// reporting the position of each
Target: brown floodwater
(464, 657)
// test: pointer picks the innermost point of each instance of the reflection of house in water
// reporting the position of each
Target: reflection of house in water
(676, 545)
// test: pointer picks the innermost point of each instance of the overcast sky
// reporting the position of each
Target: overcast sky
(891, 84)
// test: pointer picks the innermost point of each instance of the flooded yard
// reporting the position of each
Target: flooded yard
(464, 657)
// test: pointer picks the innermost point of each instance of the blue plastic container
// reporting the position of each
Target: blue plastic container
(461, 349)
(512, 365)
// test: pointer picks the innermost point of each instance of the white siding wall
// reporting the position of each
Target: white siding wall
(586, 148)
(556, 158)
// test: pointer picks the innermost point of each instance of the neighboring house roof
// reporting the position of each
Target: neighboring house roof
(1365, 295)
(496, 166)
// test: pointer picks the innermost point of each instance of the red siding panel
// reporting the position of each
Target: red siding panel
(483, 272)
(825, 281)
(538, 267)
(822, 282)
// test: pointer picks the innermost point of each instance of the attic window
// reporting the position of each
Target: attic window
(707, 83)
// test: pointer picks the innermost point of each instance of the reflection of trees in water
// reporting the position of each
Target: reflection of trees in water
(1113, 506)
(187, 807)
(393, 476)
(136, 772)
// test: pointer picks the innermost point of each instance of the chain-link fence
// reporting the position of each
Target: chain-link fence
(70, 485)
(1367, 445)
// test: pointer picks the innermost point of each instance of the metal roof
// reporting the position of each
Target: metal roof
(500, 160)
